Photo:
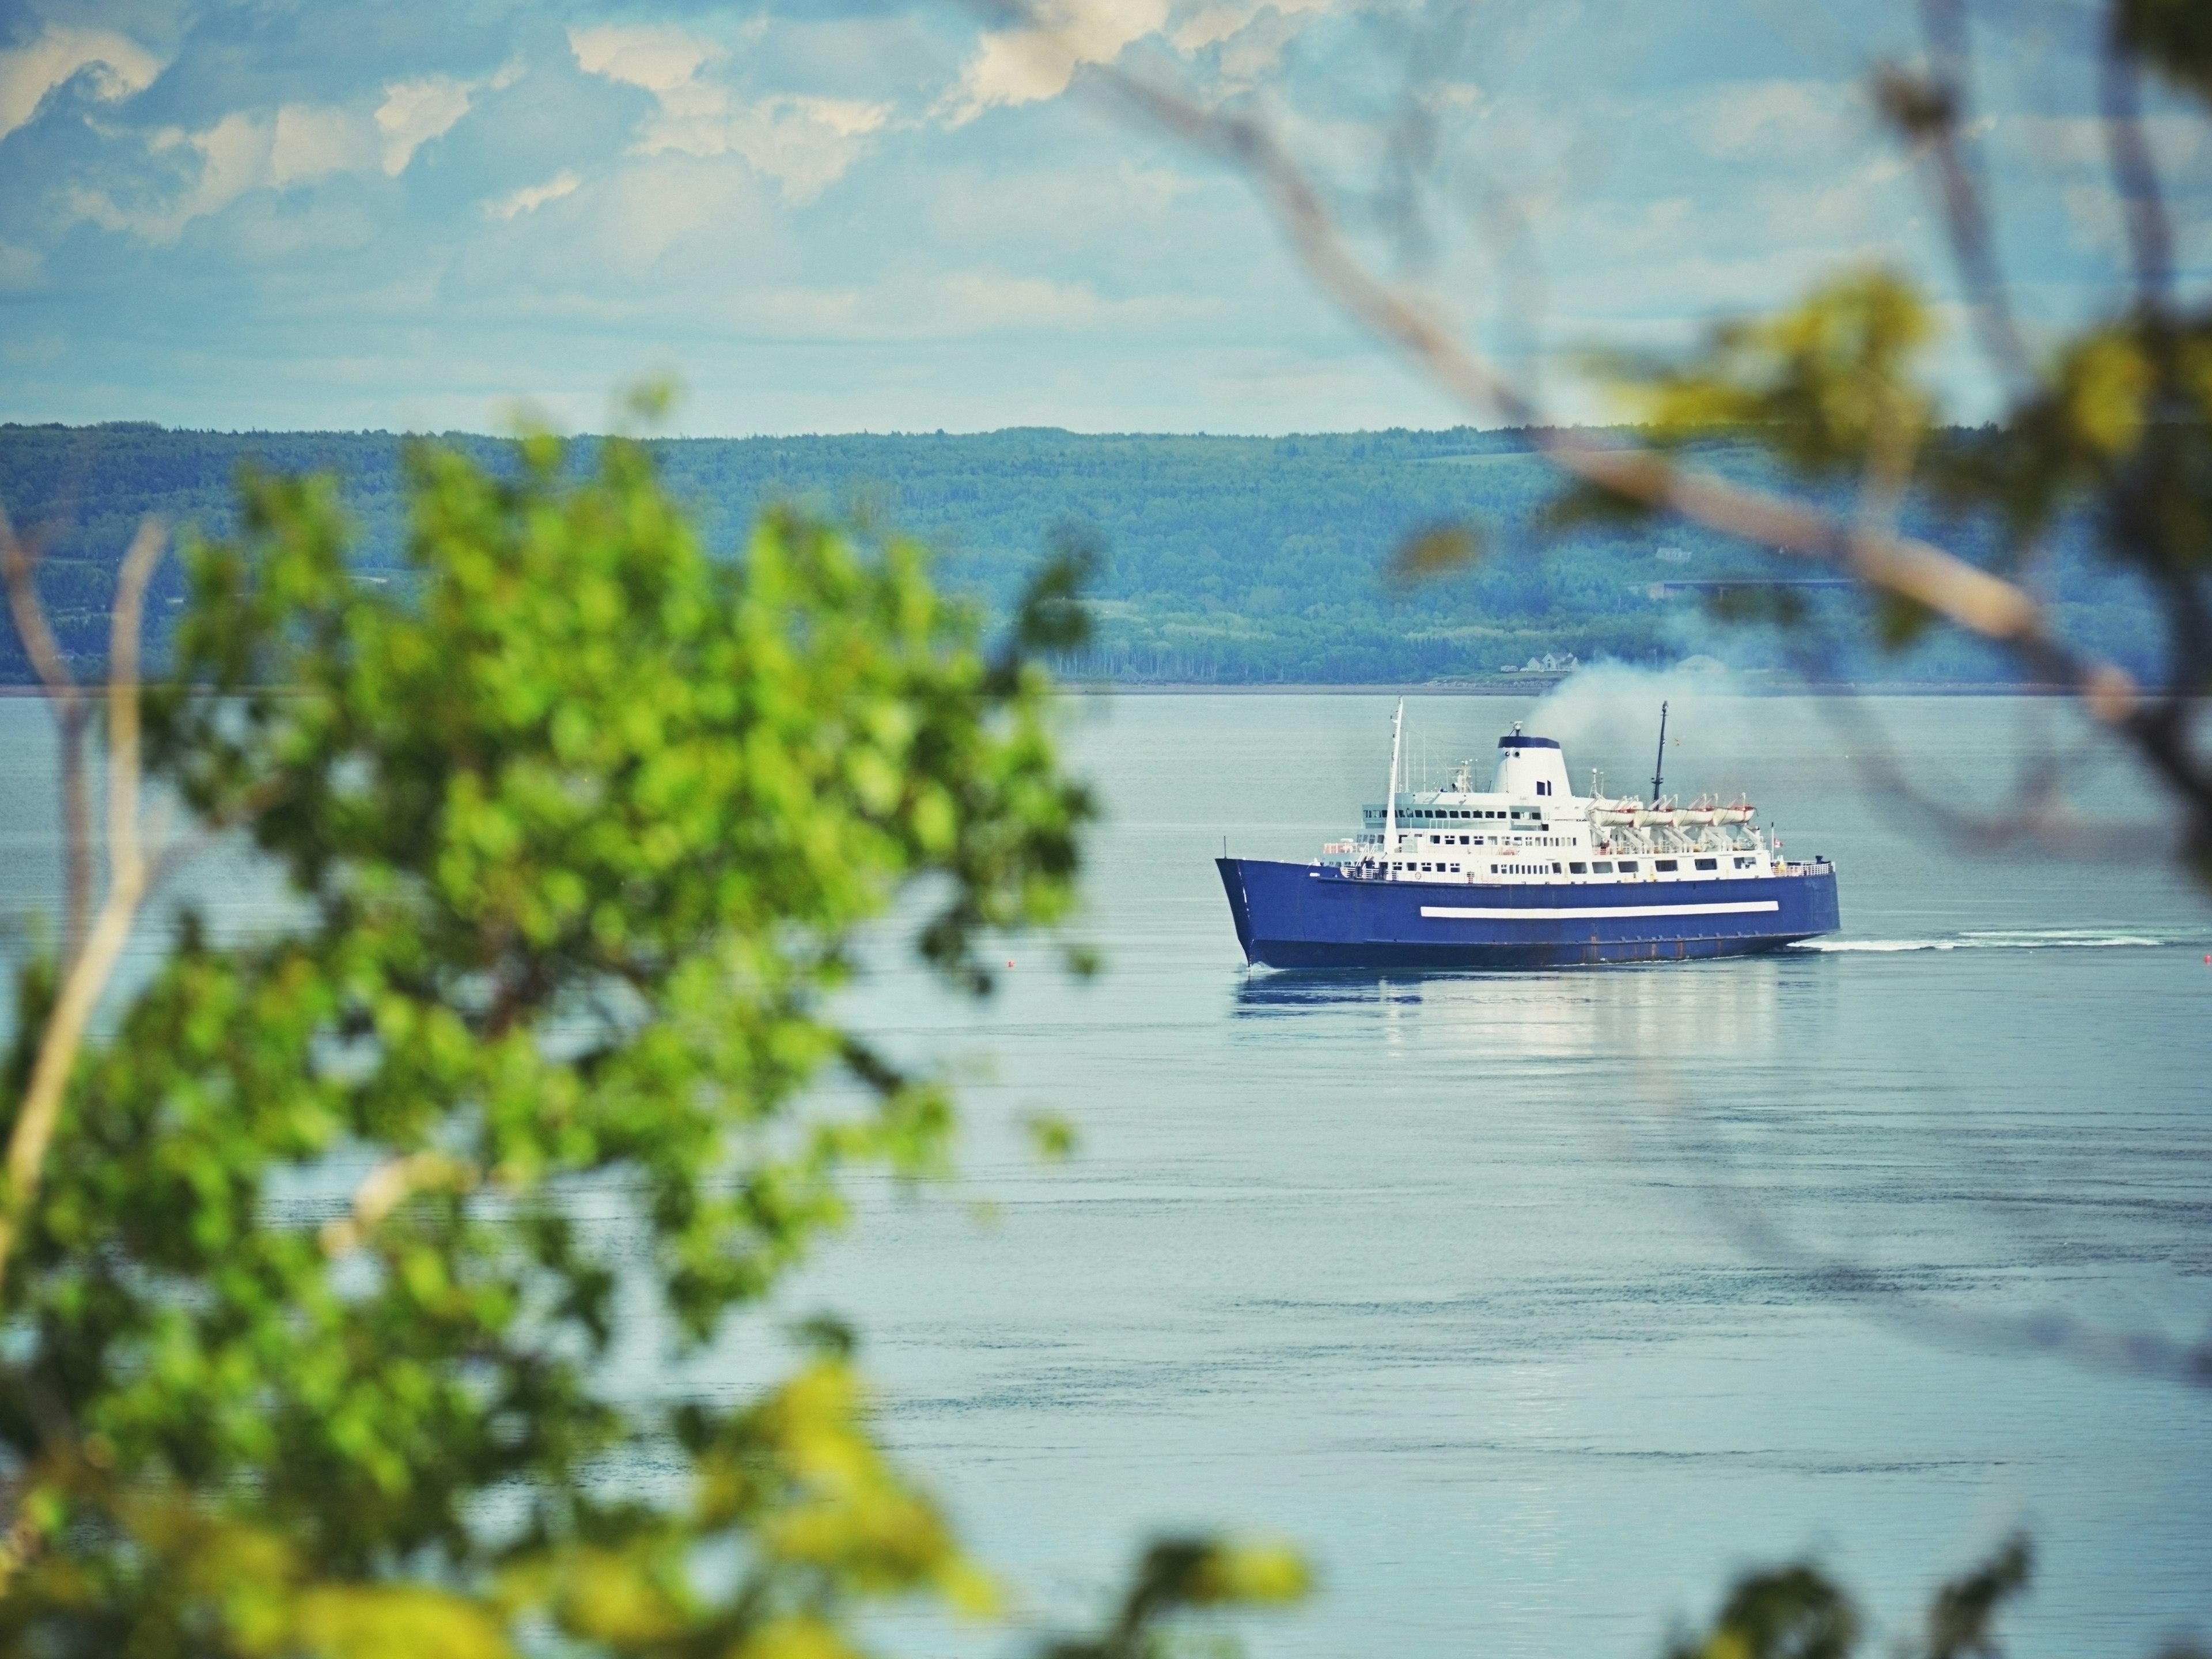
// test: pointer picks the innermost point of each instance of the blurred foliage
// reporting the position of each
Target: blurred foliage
(1826, 385)
(2173, 35)
(580, 824)
(1185, 1574)
(1797, 1611)
(1439, 551)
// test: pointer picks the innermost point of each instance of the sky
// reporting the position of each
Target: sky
(915, 215)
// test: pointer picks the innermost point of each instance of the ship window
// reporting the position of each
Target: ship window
(1664, 864)
(1628, 867)
(1708, 864)
(1454, 869)
(1555, 869)
(1743, 864)
(1602, 867)
(1578, 869)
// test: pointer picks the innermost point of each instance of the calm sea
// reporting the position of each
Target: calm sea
(1535, 1304)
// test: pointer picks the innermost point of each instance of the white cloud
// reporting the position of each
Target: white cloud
(805, 143)
(1223, 20)
(121, 68)
(313, 141)
(1255, 50)
(296, 143)
(414, 112)
(247, 149)
(659, 58)
(531, 197)
(1037, 60)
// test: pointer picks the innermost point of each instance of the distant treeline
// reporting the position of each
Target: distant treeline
(1230, 560)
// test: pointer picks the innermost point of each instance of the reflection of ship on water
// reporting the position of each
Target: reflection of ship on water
(1526, 873)
(1729, 1008)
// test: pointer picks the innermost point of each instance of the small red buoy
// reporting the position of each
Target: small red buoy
(1010, 961)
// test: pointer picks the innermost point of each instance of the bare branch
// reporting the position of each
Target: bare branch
(88, 972)
(19, 563)
(126, 858)
(1730, 1199)
(72, 710)
(388, 1186)
(1960, 191)
(1964, 594)
(2054, 1332)
(2135, 176)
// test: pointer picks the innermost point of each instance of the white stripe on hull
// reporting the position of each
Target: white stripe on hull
(1457, 913)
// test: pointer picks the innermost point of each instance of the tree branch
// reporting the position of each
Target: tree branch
(71, 711)
(89, 971)
(388, 1186)
(2135, 176)
(1964, 593)
(1960, 192)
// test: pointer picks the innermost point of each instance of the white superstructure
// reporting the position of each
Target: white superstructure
(1530, 826)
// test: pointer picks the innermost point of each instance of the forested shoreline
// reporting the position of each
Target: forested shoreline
(1228, 560)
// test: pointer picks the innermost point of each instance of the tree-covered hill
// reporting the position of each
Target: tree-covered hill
(1250, 560)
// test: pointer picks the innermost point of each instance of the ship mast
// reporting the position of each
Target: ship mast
(1659, 766)
(1391, 801)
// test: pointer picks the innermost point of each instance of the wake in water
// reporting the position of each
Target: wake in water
(2059, 939)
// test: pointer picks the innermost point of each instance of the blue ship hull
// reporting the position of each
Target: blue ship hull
(1302, 915)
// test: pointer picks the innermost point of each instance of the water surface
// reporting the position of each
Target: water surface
(1535, 1303)
(1508, 1293)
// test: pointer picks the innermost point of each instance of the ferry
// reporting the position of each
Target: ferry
(1528, 874)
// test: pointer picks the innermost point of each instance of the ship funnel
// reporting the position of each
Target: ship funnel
(1524, 763)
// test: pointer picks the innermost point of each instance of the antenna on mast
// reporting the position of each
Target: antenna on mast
(1390, 803)
(1659, 766)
